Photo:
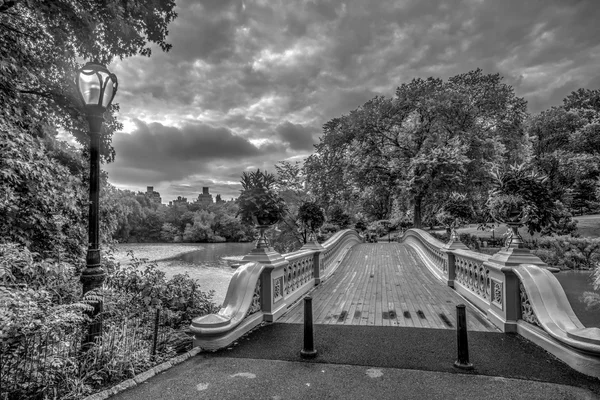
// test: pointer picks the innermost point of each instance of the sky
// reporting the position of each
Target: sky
(249, 83)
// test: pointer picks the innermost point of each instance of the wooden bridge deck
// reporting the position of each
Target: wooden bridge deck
(386, 284)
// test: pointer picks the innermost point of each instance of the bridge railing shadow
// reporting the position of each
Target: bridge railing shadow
(517, 292)
(269, 283)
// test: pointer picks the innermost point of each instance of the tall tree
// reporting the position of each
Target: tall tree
(566, 148)
(42, 42)
(433, 137)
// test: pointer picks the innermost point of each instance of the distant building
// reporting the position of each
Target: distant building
(179, 201)
(152, 195)
(218, 199)
(205, 198)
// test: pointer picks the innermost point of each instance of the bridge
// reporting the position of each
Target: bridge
(416, 282)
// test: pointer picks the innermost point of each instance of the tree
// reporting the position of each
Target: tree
(259, 203)
(311, 217)
(455, 211)
(42, 43)
(433, 137)
(339, 217)
(41, 203)
(566, 148)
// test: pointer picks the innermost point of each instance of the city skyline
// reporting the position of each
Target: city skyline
(250, 83)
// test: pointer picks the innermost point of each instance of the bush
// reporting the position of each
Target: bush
(329, 228)
(442, 237)
(471, 241)
(43, 319)
(568, 252)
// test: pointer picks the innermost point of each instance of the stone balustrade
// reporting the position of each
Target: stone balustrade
(517, 292)
(265, 286)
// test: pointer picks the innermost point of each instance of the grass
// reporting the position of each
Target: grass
(587, 226)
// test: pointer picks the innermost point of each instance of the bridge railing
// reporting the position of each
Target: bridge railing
(518, 293)
(264, 288)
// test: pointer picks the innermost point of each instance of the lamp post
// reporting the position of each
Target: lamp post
(97, 87)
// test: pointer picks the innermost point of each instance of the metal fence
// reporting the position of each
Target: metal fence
(49, 364)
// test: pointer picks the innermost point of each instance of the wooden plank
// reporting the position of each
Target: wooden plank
(369, 288)
(401, 282)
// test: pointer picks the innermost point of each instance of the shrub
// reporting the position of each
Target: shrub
(329, 228)
(442, 237)
(569, 252)
(43, 319)
(471, 241)
(311, 215)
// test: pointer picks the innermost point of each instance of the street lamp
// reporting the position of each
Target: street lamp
(97, 87)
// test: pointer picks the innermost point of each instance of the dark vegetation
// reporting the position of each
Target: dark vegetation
(421, 158)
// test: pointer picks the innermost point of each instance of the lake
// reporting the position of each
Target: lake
(574, 284)
(201, 261)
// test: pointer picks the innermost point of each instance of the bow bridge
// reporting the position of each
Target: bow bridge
(416, 282)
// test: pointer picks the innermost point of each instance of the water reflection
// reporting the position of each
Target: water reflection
(209, 254)
(575, 283)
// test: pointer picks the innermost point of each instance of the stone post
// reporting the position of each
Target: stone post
(318, 257)
(507, 309)
(451, 260)
(272, 279)
(453, 244)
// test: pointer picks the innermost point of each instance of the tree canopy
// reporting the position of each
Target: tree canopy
(433, 137)
(43, 43)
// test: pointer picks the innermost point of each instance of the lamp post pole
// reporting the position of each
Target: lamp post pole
(97, 87)
(93, 275)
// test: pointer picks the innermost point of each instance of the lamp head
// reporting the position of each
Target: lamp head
(97, 86)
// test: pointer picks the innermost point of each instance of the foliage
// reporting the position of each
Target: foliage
(360, 225)
(141, 285)
(43, 42)
(471, 241)
(43, 318)
(138, 219)
(379, 227)
(457, 206)
(566, 148)
(339, 217)
(508, 208)
(520, 188)
(42, 202)
(567, 252)
(455, 211)
(259, 203)
(329, 228)
(311, 215)
(432, 138)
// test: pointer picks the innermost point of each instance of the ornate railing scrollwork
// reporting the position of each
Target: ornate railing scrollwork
(255, 306)
(298, 272)
(527, 313)
(472, 274)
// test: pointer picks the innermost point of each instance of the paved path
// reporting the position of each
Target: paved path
(368, 362)
(231, 378)
(386, 284)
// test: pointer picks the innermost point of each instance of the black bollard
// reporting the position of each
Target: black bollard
(461, 335)
(309, 346)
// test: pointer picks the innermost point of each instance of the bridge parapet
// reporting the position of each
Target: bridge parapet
(266, 286)
(521, 297)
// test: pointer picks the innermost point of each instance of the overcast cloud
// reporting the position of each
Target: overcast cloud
(249, 83)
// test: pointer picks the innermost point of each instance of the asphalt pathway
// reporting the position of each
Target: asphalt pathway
(363, 362)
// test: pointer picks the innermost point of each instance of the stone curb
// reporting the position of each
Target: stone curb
(144, 376)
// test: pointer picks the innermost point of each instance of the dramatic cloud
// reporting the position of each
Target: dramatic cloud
(251, 82)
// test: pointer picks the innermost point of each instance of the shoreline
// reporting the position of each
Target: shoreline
(209, 277)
